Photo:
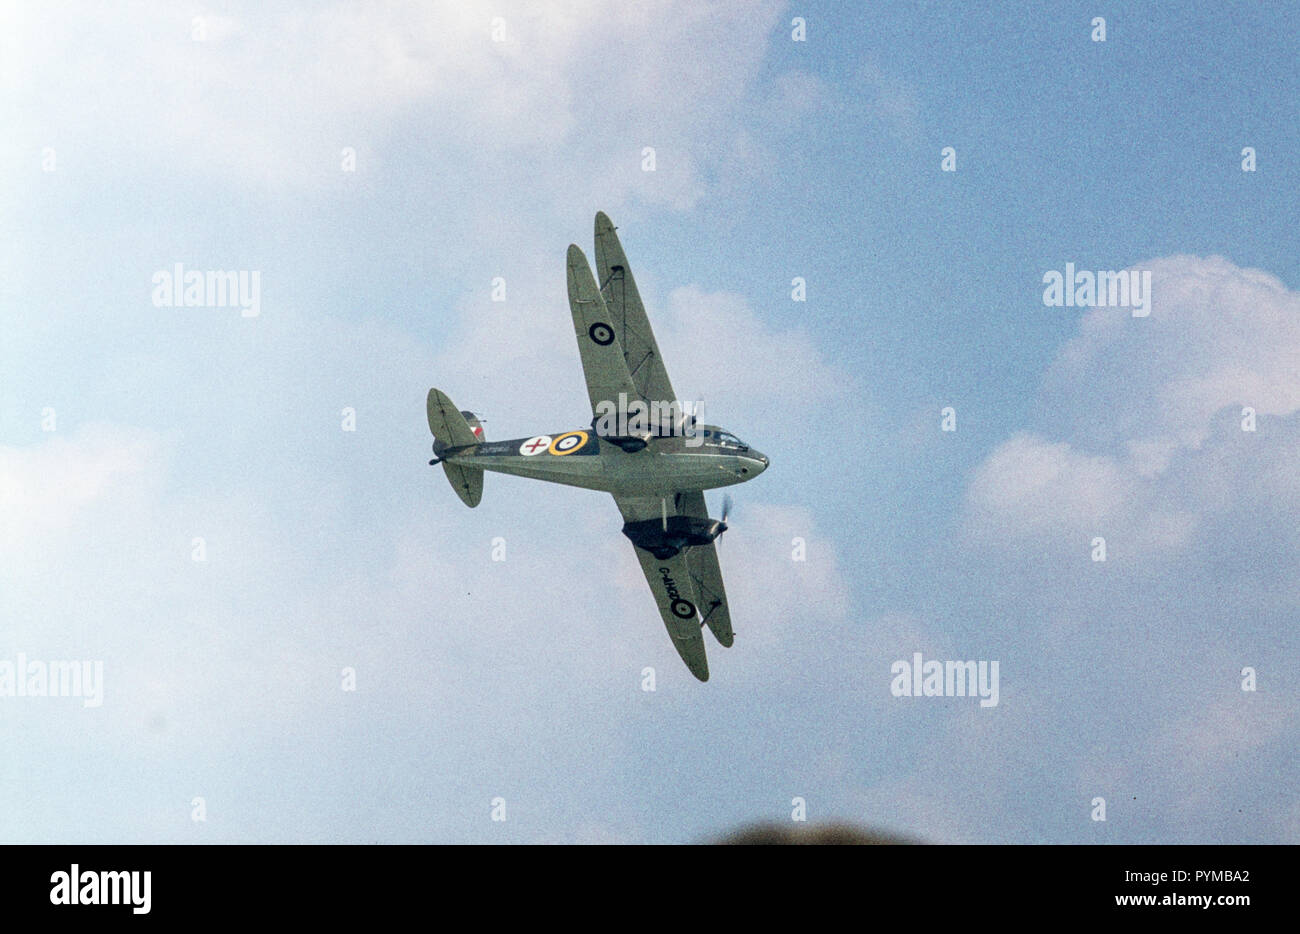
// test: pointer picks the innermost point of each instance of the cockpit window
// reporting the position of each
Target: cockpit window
(723, 438)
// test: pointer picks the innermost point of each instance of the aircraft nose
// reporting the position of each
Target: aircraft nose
(750, 464)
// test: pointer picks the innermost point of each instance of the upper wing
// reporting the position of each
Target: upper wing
(670, 582)
(627, 315)
(598, 344)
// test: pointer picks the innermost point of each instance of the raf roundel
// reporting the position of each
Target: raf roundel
(535, 445)
(601, 333)
(568, 442)
(683, 609)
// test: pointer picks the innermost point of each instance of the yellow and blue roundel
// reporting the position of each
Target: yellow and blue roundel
(569, 442)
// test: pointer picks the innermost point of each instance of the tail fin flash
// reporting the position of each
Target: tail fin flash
(451, 429)
(447, 422)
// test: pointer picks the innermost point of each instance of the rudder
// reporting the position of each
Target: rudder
(447, 422)
(451, 429)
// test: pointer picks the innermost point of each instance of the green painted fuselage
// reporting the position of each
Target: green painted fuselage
(663, 467)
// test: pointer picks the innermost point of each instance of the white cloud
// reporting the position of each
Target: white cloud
(1169, 453)
(737, 363)
(1032, 488)
(44, 488)
(1218, 337)
(268, 95)
(1034, 483)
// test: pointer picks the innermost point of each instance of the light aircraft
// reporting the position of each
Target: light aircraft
(656, 468)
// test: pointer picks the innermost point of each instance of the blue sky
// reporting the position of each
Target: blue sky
(214, 136)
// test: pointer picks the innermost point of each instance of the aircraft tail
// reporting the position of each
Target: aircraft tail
(466, 481)
(453, 428)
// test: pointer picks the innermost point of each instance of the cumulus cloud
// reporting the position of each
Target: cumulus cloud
(1036, 489)
(327, 549)
(1170, 451)
(1137, 436)
(728, 353)
(45, 488)
(271, 96)
(1036, 483)
(1219, 336)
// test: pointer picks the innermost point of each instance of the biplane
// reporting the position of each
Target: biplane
(642, 446)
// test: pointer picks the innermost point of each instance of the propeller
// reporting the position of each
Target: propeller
(726, 511)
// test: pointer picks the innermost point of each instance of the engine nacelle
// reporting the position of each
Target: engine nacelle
(682, 532)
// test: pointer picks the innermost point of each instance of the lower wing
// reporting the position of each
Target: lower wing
(706, 575)
(674, 590)
(694, 571)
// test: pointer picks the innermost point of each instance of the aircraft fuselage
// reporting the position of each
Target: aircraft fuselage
(666, 465)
